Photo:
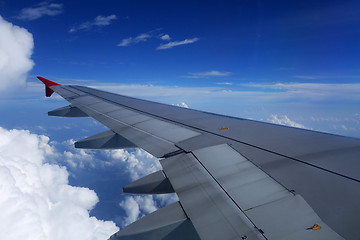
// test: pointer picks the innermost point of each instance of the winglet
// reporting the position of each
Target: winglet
(49, 85)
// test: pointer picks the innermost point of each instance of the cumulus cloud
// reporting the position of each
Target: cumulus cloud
(176, 43)
(213, 73)
(40, 10)
(99, 21)
(136, 207)
(16, 46)
(182, 104)
(36, 201)
(138, 162)
(132, 210)
(284, 120)
(132, 41)
(76, 157)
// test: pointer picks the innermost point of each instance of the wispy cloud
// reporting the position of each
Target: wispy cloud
(307, 91)
(165, 37)
(176, 43)
(213, 73)
(131, 41)
(314, 77)
(40, 10)
(224, 83)
(143, 37)
(99, 21)
(311, 77)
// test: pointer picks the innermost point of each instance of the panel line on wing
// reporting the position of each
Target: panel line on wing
(225, 191)
(254, 192)
(138, 129)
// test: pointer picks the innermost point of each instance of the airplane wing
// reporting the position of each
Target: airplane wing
(235, 178)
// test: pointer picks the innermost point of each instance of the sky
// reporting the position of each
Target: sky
(293, 63)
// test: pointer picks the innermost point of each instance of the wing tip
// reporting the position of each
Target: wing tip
(48, 84)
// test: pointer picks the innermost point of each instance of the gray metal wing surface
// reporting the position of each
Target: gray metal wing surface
(235, 178)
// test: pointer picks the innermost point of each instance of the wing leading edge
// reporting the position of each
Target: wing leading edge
(235, 177)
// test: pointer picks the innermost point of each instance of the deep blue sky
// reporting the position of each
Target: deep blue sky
(263, 41)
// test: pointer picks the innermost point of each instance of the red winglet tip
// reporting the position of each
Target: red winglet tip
(48, 82)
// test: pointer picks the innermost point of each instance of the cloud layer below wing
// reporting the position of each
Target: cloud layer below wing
(36, 201)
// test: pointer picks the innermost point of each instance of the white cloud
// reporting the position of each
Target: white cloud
(166, 199)
(224, 83)
(76, 157)
(36, 201)
(151, 34)
(136, 207)
(277, 93)
(182, 104)
(310, 77)
(139, 90)
(16, 46)
(313, 91)
(99, 21)
(165, 37)
(213, 73)
(176, 43)
(313, 77)
(40, 10)
(132, 210)
(104, 21)
(138, 162)
(284, 120)
(131, 41)
(143, 37)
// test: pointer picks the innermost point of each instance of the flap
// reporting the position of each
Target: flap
(105, 140)
(154, 183)
(67, 111)
(168, 223)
